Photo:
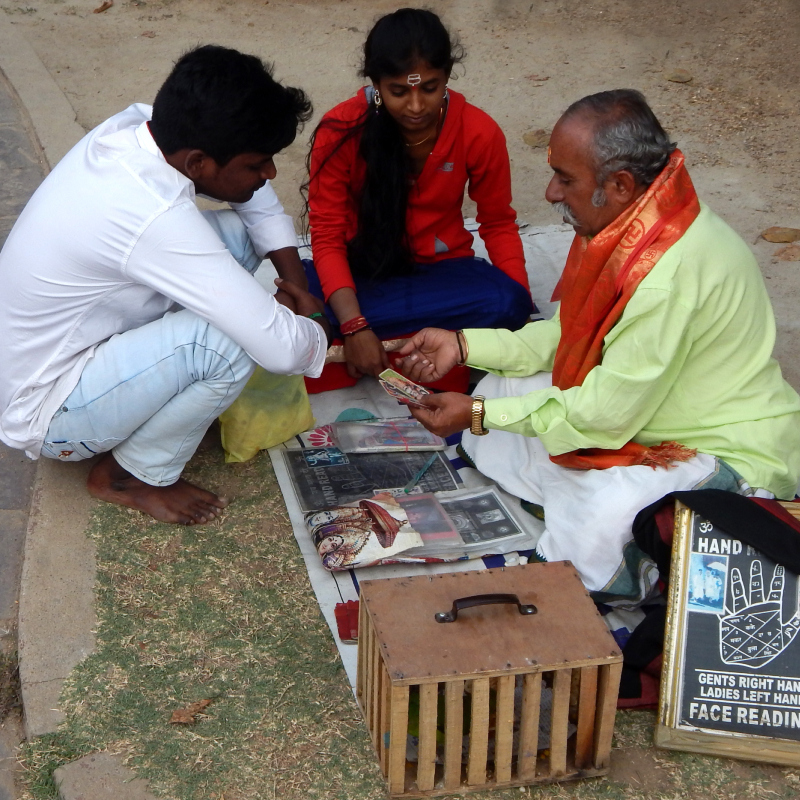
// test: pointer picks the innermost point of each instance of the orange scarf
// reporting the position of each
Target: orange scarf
(599, 278)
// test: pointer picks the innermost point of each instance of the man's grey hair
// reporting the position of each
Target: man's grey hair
(627, 136)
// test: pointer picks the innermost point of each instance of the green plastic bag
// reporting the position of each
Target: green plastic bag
(270, 410)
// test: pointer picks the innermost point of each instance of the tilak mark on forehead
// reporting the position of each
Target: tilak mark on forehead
(414, 79)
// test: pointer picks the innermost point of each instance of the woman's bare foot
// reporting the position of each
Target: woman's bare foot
(181, 502)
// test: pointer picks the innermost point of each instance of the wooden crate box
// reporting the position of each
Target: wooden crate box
(473, 689)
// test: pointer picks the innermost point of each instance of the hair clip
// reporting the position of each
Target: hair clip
(415, 79)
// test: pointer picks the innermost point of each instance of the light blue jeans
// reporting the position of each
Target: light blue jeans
(150, 394)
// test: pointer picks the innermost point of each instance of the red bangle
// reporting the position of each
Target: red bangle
(354, 326)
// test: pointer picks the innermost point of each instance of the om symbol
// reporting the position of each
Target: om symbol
(706, 527)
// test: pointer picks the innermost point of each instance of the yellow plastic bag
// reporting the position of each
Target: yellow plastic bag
(270, 410)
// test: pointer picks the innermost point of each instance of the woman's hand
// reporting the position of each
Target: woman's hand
(444, 413)
(429, 355)
(364, 354)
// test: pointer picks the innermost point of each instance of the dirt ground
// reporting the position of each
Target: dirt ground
(526, 61)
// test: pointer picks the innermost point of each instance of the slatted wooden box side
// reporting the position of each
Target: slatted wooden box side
(584, 692)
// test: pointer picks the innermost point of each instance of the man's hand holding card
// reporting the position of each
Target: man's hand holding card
(442, 414)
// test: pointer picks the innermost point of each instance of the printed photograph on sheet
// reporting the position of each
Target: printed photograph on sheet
(325, 457)
(708, 581)
(480, 516)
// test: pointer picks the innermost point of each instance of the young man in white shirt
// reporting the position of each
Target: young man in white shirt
(127, 321)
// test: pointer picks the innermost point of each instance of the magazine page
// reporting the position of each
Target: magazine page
(478, 523)
(325, 477)
(384, 435)
(361, 534)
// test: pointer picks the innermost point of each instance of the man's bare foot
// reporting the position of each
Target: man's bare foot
(181, 502)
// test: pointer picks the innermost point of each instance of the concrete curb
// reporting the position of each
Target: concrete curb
(56, 614)
(56, 602)
(56, 599)
(52, 116)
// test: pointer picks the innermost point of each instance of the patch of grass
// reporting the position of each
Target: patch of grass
(225, 612)
(10, 691)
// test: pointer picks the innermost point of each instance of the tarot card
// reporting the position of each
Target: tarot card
(400, 396)
(401, 388)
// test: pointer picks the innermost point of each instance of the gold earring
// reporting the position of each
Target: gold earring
(378, 100)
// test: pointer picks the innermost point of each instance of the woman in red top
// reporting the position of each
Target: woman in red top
(388, 170)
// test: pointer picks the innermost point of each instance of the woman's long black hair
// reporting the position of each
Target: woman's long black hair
(397, 41)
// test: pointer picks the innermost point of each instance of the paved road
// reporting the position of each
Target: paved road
(20, 174)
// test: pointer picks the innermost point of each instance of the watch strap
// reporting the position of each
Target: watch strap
(476, 425)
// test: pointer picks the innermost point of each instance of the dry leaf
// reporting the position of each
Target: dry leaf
(537, 138)
(781, 235)
(149, 34)
(790, 253)
(537, 77)
(187, 716)
(104, 6)
(678, 76)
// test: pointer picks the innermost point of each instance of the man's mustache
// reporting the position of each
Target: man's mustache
(566, 212)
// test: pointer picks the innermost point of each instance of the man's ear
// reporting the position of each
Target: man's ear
(621, 187)
(197, 165)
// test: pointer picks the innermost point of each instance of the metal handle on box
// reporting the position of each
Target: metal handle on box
(482, 600)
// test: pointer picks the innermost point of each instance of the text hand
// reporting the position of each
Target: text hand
(444, 414)
(753, 633)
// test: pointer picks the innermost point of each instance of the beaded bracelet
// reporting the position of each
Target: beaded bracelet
(354, 326)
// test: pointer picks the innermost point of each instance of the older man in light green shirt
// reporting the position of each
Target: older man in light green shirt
(688, 361)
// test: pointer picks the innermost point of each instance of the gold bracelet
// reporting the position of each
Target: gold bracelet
(476, 426)
(463, 347)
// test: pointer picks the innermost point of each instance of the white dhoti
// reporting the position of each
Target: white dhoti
(588, 513)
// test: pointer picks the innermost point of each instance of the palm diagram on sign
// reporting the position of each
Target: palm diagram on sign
(753, 633)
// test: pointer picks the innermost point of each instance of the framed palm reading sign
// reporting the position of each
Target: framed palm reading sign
(730, 684)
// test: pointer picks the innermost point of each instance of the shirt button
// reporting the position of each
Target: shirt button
(503, 417)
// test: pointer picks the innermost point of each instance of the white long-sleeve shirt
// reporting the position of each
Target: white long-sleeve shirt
(110, 241)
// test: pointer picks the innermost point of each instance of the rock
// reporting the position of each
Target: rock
(781, 235)
(790, 253)
(537, 138)
(679, 76)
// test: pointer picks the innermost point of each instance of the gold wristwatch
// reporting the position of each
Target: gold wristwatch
(476, 427)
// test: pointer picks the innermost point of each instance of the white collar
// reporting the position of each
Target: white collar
(147, 142)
